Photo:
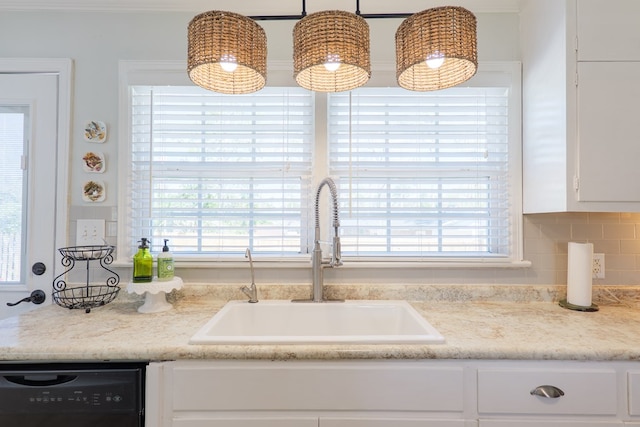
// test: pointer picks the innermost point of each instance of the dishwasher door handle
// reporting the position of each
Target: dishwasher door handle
(39, 380)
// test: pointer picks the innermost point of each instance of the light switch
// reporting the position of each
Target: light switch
(90, 232)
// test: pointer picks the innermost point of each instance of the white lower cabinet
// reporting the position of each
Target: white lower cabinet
(308, 393)
(393, 422)
(552, 391)
(548, 394)
(393, 393)
(633, 381)
(548, 423)
(247, 422)
(319, 422)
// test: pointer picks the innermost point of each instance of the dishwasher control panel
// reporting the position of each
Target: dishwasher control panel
(78, 391)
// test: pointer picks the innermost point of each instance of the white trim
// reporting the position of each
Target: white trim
(256, 8)
(174, 72)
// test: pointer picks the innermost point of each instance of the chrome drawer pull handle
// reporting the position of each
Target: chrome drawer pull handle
(548, 391)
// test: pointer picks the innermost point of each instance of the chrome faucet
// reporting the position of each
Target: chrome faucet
(316, 260)
(250, 291)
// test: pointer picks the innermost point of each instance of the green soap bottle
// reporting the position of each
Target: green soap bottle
(165, 264)
(143, 263)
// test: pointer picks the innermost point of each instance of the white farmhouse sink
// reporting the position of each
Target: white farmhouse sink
(286, 322)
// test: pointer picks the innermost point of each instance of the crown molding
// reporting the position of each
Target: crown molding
(251, 7)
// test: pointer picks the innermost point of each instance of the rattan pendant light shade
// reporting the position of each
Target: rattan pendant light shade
(331, 51)
(444, 34)
(227, 53)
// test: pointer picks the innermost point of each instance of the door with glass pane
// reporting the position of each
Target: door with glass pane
(28, 141)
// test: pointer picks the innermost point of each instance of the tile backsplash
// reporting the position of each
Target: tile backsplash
(546, 236)
(617, 235)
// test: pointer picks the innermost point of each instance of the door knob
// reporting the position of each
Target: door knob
(37, 297)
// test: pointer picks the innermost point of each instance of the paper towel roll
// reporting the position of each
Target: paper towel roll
(579, 273)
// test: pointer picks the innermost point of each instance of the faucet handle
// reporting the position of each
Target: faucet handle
(251, 292)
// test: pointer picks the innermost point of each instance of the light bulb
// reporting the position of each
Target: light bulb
(228, 63)
(435, 60)
(333, 62)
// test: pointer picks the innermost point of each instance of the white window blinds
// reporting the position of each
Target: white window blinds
(422, 174)
(216, 174)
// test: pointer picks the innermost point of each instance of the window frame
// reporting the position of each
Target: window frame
(172, 73)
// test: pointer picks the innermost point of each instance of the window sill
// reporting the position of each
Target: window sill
(302, 263)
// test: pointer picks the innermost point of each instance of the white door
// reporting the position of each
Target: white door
(28, 193)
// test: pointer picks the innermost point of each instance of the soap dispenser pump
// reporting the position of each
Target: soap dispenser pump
(143, 263)
(165, 264)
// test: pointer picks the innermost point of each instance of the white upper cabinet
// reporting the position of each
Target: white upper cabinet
(581, 142)
(608, 30)
(608, 131)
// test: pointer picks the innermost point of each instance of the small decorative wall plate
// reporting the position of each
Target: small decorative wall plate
(93, 191)
(95, 131)
(93, 162)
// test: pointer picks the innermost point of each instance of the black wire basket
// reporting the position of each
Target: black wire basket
(88, 296)
(82, 253)
(85, 297)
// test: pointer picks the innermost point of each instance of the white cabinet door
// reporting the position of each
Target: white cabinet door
(247, 422)
(608, 30)
(608, 131)
(547, 423)
(393, 422)
(633, 386)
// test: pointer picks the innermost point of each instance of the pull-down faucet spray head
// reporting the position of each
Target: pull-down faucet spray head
(336, 254)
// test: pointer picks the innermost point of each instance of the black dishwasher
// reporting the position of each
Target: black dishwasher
(72, 394)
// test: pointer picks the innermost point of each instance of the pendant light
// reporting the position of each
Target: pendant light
(227, 53)
(436, 49)
(331, 51)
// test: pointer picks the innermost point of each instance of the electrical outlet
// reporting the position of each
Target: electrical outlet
(598, 266)
(90, 232)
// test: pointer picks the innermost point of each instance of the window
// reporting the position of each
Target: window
(216, 174)
(421, 176)
(13, 126)
(427, 173)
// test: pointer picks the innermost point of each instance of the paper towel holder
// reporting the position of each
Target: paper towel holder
(565, 304)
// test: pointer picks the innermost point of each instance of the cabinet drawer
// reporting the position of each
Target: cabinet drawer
(317, 386)
(548, 423)
(508, 391)
(634, 392)
(393, 422)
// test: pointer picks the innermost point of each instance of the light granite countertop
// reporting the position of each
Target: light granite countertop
(479, 322)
